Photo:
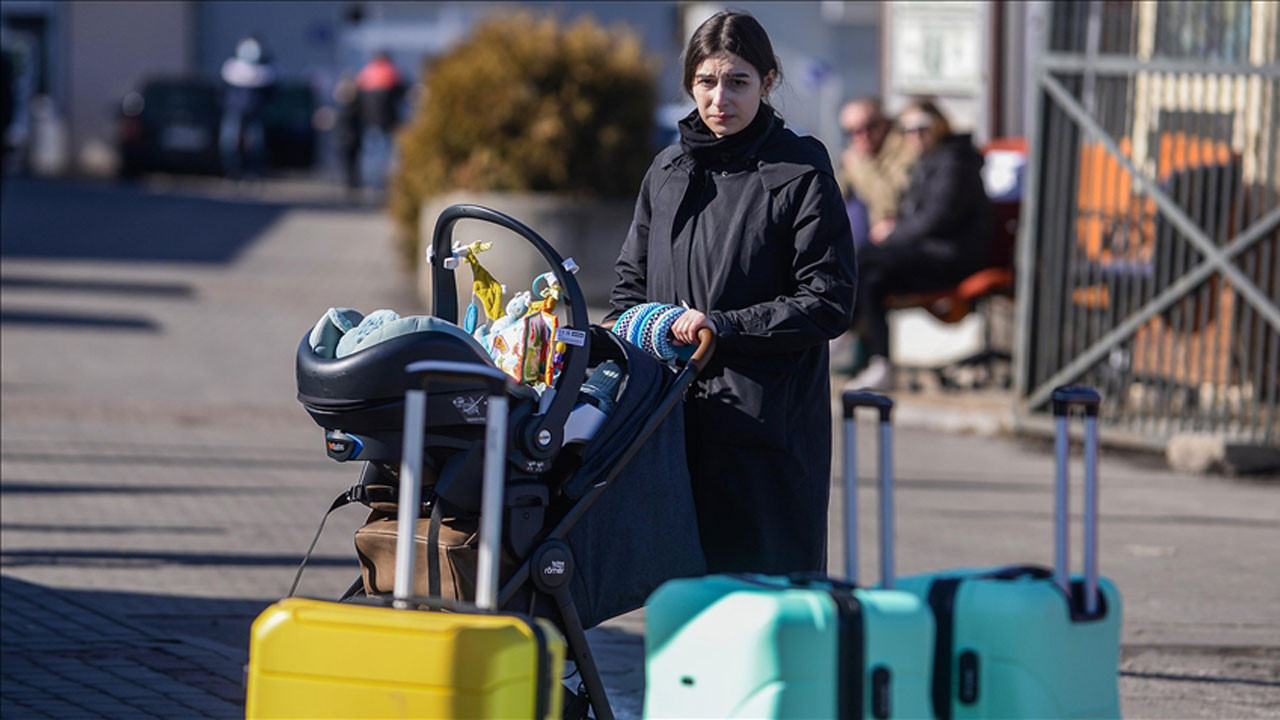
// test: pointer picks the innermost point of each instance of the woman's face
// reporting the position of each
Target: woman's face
(728, 91)
(917, 127)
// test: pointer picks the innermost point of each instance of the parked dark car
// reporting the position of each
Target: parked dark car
(171, 125)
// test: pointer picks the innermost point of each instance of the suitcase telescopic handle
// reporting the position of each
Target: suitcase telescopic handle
(495, 445)
(1064, 399)
(852, 401)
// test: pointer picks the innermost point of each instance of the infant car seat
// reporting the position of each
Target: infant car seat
(355, 389)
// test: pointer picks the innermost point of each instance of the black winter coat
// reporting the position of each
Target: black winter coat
(761, 244)
(945, 207)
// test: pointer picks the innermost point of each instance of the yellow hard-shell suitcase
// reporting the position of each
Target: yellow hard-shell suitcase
(317, 659)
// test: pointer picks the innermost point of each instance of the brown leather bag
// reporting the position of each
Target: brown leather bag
(457, 552)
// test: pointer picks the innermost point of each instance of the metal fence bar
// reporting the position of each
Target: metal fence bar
(1272, 425)
(1171, 211)
(1028, 235)
(1192, 203)
(1272, 406)
(1208, 336)
(1166, 297)
(1199, 125)
(1076, 258)
(1171, 385)
(1231, 415)
(1053, 242)
(1048, 330)
(1109, 112)
(1265, 353)
(1134, 296)
(1260, 337)
(1106, 64)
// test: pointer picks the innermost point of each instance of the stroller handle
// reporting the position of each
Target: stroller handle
(706, 348)
(702, 355)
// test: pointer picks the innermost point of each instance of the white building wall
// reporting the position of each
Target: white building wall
(111, 47)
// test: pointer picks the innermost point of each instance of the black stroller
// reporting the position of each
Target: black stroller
(587, 535)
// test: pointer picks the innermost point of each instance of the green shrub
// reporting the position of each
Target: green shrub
(528, 104)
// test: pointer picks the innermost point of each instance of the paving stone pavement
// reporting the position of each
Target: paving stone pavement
(62, 659)
(159, 480)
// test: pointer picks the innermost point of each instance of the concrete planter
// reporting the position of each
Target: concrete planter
(590, 231)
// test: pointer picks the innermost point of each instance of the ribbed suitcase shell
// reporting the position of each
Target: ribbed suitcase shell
(730, 646)
(1018, 642)
(1033, 660)
(758, 646)
(316, 659)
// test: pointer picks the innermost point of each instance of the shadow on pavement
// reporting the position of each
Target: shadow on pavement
(114, 529)
(223, 620)
(78, 320)
(71, 653)
(46, 488)
(147, 558)
(99, 287)
(64, 220)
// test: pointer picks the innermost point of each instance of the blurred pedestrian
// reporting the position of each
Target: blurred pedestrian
(381, 92)
(7, 98)
(348, 129)
(249, 78)
(942, 235)
(742, 222)
(876, 166)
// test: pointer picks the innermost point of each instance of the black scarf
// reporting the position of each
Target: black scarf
(707, 150)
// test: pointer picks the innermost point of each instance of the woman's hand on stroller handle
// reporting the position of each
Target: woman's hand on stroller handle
(685, 330)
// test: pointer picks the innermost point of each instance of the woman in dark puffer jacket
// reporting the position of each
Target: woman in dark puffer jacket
(942, 236)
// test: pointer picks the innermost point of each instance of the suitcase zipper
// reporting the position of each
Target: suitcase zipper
(850, 654)
(544, 688)
(942, 598)
(850, 639)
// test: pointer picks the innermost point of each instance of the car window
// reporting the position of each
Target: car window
(198, 100)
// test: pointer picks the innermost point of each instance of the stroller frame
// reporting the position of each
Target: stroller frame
(547, 569)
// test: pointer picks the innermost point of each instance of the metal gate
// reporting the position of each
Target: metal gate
(1151, 264)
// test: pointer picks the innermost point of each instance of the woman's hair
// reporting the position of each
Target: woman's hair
(940, 127)
(730, 31)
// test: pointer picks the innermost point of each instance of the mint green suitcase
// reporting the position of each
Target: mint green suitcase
(803, 646)
(1025, 641)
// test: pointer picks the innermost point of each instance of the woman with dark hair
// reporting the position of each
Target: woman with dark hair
(942, 235)
(743, 223)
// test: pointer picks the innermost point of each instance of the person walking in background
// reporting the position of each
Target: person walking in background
(742, 222)
(942, 235)
(876, 167)
(381, 92)
(249, 78)
(348, 130)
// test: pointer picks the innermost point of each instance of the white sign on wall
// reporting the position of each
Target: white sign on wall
(937, 48)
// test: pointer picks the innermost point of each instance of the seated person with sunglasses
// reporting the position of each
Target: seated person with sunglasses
(942, 235)
(876, 166)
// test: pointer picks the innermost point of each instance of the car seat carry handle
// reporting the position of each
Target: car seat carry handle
(444, 296)
(495, 446)
(852, 401)
(541, 437)
(1065, 398)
